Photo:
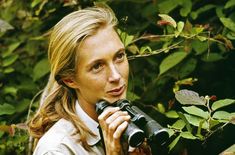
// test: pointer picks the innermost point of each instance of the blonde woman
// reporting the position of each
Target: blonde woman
(88, 63)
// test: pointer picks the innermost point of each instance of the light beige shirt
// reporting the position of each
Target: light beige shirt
(58, 140)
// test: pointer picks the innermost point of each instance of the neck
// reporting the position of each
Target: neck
(88, 108)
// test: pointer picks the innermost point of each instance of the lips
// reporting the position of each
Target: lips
(117, 91)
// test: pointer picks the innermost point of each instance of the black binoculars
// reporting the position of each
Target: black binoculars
(140, 127)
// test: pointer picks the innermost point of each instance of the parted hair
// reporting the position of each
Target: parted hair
(57, 100)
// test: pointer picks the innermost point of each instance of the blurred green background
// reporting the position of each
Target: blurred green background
(193, 50)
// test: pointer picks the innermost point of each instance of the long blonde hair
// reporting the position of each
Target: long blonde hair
(58, 100)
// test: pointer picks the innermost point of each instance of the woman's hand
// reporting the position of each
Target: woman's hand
(113, 122)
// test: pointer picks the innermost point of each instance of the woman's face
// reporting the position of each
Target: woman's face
(103, 69)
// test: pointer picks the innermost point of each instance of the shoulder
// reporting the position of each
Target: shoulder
(57, 140)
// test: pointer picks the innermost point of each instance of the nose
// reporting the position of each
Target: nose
(115, 75)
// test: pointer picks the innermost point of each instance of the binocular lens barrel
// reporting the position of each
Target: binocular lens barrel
(154, 131)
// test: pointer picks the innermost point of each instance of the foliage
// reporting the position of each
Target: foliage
(209, 120)
(175, 44)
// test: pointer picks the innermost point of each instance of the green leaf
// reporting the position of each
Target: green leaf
(180, 27)
(8, 70)
(10, 90)
(212, 57)
(167, 6)
(193, 110)
(188, 97)
(219, 12)
(223, 115)
(186, 8)
(7, 61)
(171, 60)
(22, 105)
(126, 38)
(194, 120)
(222, 103)
(203, 9)
(169, 19)
(188, 66)
(35, 2)
(170, 132)
(145, 49)
(179, 124)
(172, 114)
(213, 122)
(228, 23)
(5, 26)
(199, 47)
(7, 109)
(229, 4)
(174, 142)
(132, 96)
(10, 49)
(187, 135)
(187, 123)
(41, 69)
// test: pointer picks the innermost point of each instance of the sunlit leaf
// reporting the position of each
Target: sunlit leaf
(194, 120)
(187, 123)
(188, 97)
(228, 23)
(8, 70)
(5, 26)
(10, 49)
(229, 4)
(6, 109)
(174, 142)
(223, 115)
(171, 60)
(145, 49)
(168, 19)
(170, 132)
(222, 103)
(9, 60)
(193, 110)
(172, 114)
(213, 122)
(179, 124)
(187, 135)
(180, 27)
(10, 90)
(41, 69)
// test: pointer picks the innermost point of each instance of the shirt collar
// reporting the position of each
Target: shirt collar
(90, 123)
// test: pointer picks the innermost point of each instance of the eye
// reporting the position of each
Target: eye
(97, 67)
(120, 56)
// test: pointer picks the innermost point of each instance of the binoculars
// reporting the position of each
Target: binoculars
(140, 127)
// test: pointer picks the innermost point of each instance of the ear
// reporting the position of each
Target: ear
(70, 82)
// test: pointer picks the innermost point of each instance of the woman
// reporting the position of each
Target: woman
(88, 63)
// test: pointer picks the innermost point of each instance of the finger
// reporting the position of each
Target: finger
(117, 122)
(106, 113)
(115, 116)
(120, 129)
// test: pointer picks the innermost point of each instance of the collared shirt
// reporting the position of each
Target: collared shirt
(58, 140)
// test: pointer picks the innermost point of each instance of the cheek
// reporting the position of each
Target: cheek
(125, 70)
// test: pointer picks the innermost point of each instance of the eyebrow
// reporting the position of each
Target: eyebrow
(100, 60)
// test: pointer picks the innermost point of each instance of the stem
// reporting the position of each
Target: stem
(156, 51)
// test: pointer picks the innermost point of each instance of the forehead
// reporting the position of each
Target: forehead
(103, 44)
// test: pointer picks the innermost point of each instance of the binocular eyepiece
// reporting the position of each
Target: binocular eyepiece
(140, 127)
